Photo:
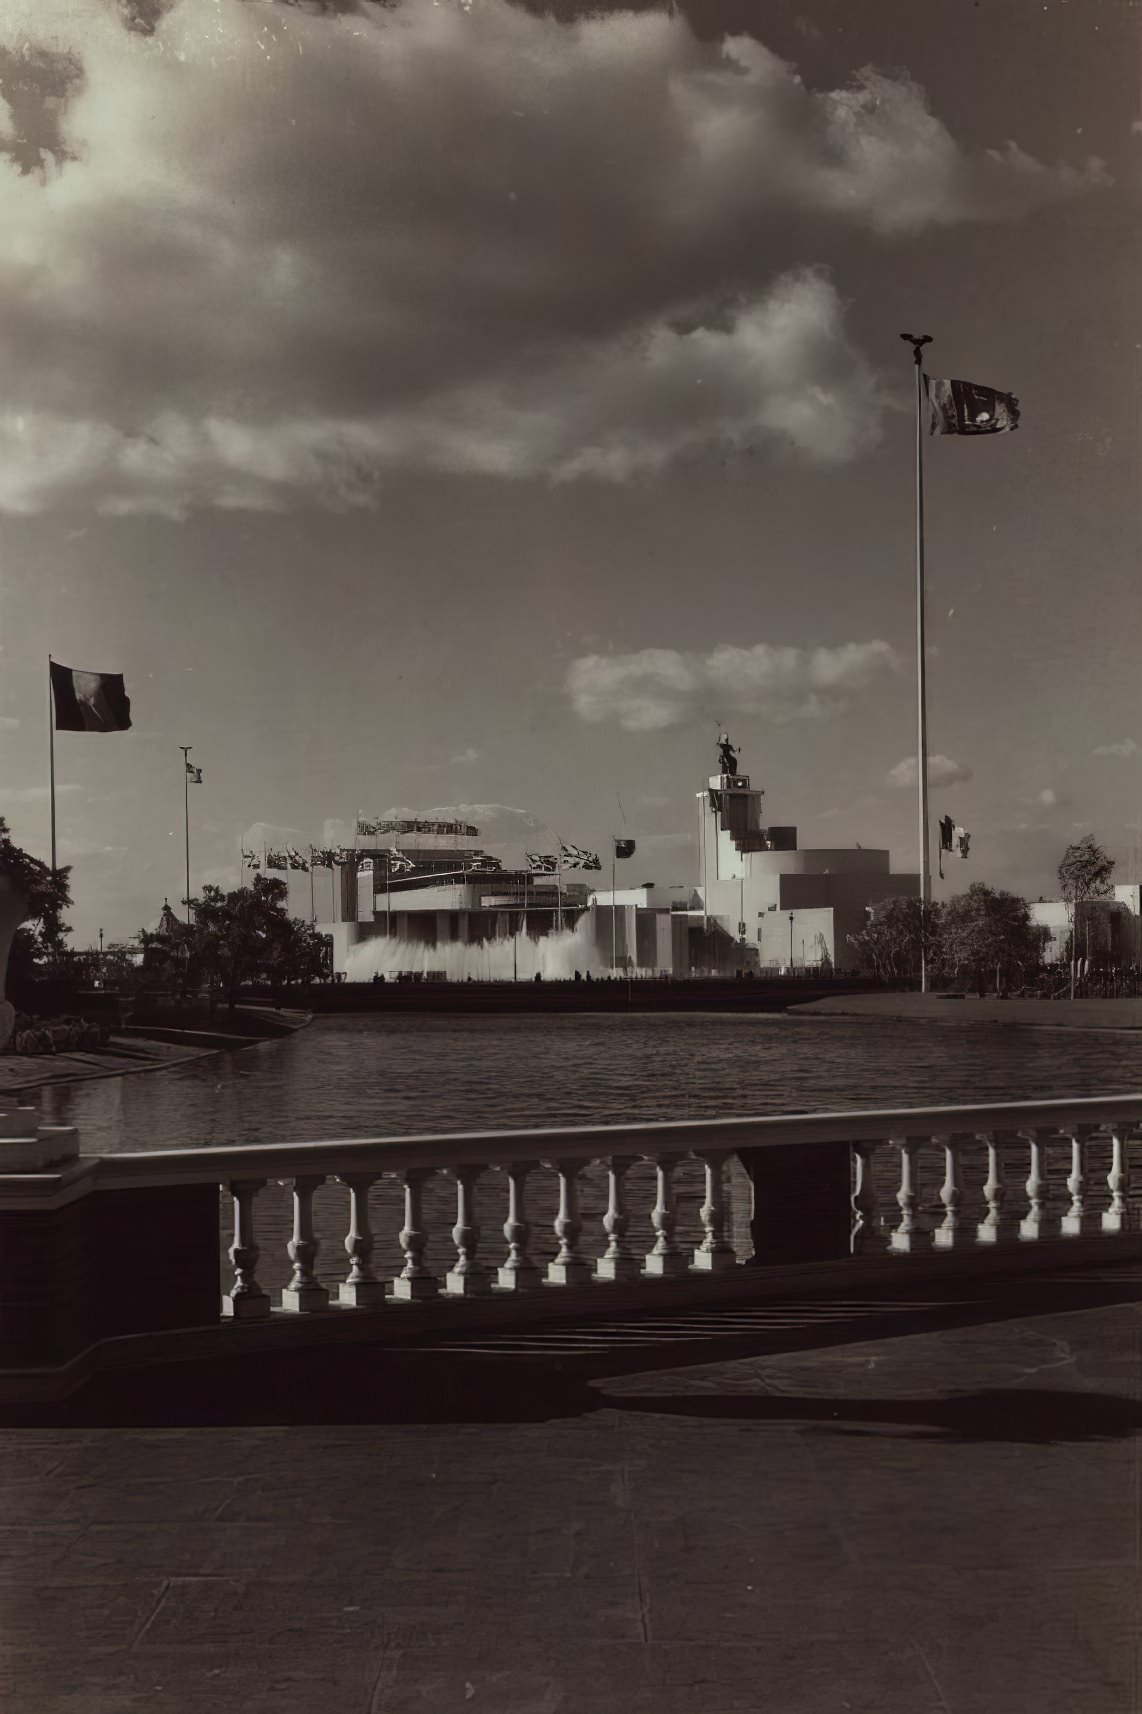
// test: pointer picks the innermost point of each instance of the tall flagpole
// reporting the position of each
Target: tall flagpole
(186, 749)
(614, 919)
(52, 758)
(917, 342)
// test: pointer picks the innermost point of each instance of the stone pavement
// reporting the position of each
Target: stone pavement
(945, 1522)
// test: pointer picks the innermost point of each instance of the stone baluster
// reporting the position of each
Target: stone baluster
(519, 1272)
(953, 1233)
(1117, 1217)
(618, 1261)
(246, 1301)
(999, 1224)
(569, 1267)
(909, 1234)
(304, 1294)
(1077, 1222)
(362, 1289)
(469, 1277)
(1033, 1224)
(414, 1280)
(666, 1259)
(715, 1254)
(866, 1232)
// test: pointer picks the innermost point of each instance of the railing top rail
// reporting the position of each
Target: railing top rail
(587, 1142)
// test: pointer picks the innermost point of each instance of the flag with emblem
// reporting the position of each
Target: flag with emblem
(87, 701)
(965, 407)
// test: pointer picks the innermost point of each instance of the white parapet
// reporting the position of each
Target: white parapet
(28, 1146)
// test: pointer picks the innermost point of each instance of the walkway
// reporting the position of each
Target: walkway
(937, 1521)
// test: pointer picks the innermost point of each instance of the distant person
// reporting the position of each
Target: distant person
(538, 977)
(578, 975)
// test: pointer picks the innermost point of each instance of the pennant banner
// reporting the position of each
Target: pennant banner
(947, 833)
(964, 407)
(89, 702)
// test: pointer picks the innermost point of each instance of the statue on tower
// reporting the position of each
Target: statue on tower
(727, 755)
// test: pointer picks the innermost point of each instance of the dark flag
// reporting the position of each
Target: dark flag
(89, 702)
(947, 830)
(624, 847)
(276, 860)
(964, 407)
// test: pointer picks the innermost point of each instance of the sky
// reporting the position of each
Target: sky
(475, 403)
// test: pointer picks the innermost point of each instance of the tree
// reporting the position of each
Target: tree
(38, 950)
(889, 945)
(248, 935)
(987, 929)
(1085, 869)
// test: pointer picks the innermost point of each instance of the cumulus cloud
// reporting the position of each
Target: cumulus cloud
(942, 771)
(654, 688)
(1125, 747)
(246, 262)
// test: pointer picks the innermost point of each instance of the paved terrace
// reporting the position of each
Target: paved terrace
(923, 1499)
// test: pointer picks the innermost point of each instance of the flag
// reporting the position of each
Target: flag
(399, 865)
(947, 833)
(250, 859)
(484, 865)
(194, 773)
(296, 860)
(366, 828)
(539, 864)
(964, 407)
(276, 860)
(365, 866)
(963, 840)
(624, 848)
(321, 857)
(89, 702)
(574, 857)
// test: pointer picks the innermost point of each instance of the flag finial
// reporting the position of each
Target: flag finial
(917, 341)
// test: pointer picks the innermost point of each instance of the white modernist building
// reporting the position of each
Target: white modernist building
(790, 908)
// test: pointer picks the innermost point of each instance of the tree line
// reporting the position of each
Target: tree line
(986, 935)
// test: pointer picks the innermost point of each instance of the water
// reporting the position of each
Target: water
(520, 957)
(362, 1076)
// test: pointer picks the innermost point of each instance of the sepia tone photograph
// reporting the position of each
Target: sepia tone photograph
(570, 856)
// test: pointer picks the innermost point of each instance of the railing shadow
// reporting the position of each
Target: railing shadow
(1024, 1415)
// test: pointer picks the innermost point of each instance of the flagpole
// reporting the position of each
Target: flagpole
(614, 919)
(917, 343)
(312, 901)
(52, 758)
(186, 749)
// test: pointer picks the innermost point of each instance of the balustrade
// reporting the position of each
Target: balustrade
(245, 1300)
(667, 1259)
(1117, 1217)
(618, 1261)
(362, 1289)
(866, 1234)
(469, 1278)
(415, 1280)
(519, 1272)
(715, 1253)
(973, 1206)
(569, 1267)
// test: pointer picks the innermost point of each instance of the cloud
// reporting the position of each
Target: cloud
(655, 688)
(245, 263)
(35, 794)
(464, 758)
(1049, 798)
(942, 771)
(1126, 747)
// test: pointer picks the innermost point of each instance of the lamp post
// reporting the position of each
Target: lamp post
(791, 940)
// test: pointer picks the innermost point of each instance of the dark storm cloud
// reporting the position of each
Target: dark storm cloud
(302, 246)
